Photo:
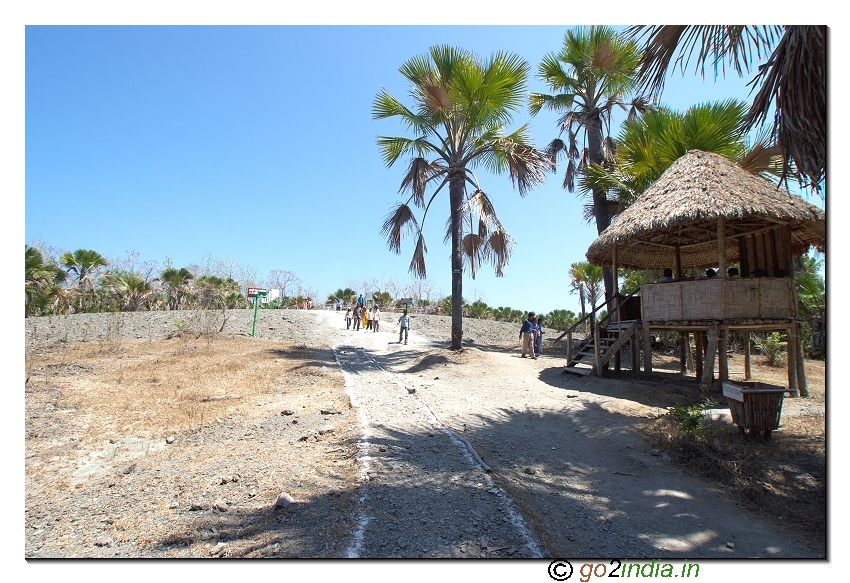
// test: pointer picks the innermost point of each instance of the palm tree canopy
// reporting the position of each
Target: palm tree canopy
(593, 72)
(462, 107)
(793, 77)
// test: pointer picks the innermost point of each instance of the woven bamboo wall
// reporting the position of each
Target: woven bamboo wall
(719, 299)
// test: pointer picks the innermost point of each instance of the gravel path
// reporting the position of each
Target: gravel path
(423, 494)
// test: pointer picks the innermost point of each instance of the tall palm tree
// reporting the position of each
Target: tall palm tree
(648, 145)
(593, 72)
(794, 77)
(175, 282)
(462, 107)
(83, 263)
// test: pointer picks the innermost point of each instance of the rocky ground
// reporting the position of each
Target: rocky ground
(400, 451)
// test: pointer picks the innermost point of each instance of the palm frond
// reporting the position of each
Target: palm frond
(399, 222)
(417, 262)
(795, 78)
(419, 174)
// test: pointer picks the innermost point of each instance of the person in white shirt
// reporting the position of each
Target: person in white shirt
(404, 323)
(376, 318)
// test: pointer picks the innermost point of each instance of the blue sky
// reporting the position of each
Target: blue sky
(254, 145)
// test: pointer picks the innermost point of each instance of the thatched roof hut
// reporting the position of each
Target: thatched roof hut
(675, 221)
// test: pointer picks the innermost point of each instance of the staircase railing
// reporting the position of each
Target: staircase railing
(620, 300)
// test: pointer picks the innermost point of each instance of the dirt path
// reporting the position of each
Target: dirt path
(564, 448)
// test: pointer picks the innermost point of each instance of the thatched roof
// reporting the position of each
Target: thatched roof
(682, 207)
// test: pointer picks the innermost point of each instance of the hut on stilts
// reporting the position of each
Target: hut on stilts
(707, 212)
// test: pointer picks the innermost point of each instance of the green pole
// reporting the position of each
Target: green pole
(254, 326)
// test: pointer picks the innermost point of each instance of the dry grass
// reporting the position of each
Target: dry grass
(158, 388)
(783, 478)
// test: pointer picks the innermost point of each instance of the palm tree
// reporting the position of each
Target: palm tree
(794, 76)
(648, 145)
(132, 289)
(594, 72)
(83, 263)
(462, 107)
(586, 280)
(39, 279)
(175, 282)
(346, 296)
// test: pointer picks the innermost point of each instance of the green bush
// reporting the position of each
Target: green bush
(773, 346)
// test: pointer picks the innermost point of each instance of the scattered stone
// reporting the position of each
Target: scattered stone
(131, 469)
(326, 429)
(174, 505)
(382, 448)
(730, 546)
(170, 439)
(221, 506)
(655, 452)
(198, 506)
(411, 390)
(287, 412)
(330, 411)
(295, 421)
(252, 493)
(105, 541)
(217, 549)
(530, 471)
(284, 500)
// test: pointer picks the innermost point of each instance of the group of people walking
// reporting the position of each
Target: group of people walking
(369, 318)
(531, 335)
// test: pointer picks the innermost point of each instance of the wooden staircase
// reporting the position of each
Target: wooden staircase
(584, 360)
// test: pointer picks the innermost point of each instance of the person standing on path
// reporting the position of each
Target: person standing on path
(369, 313)
(404, 326)
(360, 300)
(526, 334)
(376, 318)
(348, 319)
(538, 336)
(364, 316)
(357, 316)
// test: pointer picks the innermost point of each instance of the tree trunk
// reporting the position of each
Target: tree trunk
(456, 187)
(600, 198)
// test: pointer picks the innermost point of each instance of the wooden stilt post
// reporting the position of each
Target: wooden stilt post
(569, 347)
(647, 350)
(690, 357)
(700, 350)
(633, 344)
(711, 350)
(683, 357)
(791, 351)
(723, 372)
(596, 340)
(748, 369)
(802, 384)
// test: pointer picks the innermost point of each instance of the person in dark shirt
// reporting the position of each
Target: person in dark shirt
(526, 334)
